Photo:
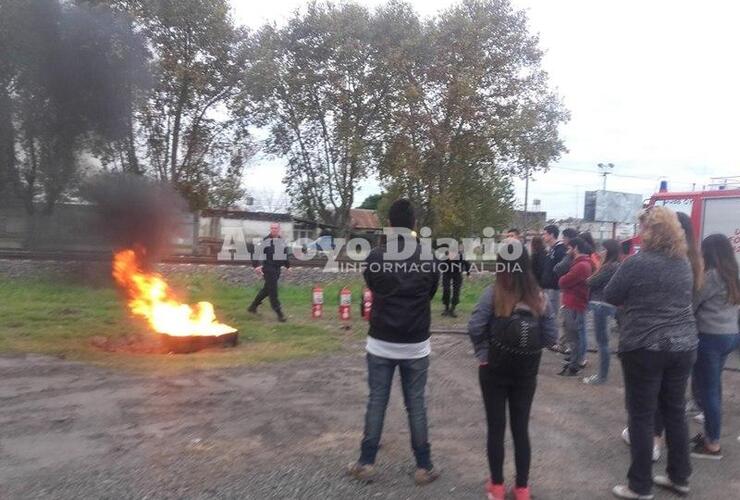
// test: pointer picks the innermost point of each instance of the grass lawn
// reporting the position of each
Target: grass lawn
(61, 319)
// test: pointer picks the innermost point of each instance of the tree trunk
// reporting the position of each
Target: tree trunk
(174, 173)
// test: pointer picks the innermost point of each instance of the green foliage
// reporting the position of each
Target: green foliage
(371, 202)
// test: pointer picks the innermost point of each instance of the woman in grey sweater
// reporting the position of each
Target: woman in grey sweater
(716, 310)
(657, 347)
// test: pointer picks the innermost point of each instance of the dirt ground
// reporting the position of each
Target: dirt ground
(288, 431)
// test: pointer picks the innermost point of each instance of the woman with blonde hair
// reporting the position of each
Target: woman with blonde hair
(657, 348)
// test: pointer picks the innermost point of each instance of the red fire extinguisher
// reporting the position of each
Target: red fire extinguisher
(345, 303)
(317, 305)
(367, 303)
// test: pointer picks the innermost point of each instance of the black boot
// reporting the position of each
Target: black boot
(452, 312)
(281, 317)
(252, 309)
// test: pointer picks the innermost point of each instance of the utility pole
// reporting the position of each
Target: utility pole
(605, 170)
(526, 200)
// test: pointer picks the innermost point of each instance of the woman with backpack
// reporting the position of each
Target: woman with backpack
(508, 328)
(716, 311)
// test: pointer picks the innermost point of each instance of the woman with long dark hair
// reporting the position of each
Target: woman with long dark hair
(538, 257)
(657, 347)
(602, 310)
(509, 327)
(716, 311)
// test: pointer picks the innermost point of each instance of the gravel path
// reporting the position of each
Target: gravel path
(288, 430)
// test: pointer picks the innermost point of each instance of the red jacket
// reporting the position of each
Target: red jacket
(573, 284)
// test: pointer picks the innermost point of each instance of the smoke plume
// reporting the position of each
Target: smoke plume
(135, 212)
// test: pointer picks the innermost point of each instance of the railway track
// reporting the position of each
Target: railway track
(97, 256)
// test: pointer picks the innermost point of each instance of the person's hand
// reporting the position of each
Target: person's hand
(258, 270)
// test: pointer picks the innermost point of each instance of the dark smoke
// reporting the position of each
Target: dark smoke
(135, 212)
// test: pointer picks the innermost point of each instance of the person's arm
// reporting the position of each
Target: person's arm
(601, 277)
(479, 325)
(562, 267)
(435, 280)
(379, 282)
(577, 274)
(616, 290)
(549, 325)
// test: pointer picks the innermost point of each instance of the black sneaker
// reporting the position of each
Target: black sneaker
(282, 318)
(446, 312)
(252, 310)
(569, 372)
(452, 313)
(700, 450)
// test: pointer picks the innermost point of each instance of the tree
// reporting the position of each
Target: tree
(371, 202)
(183, 131)
(473, 110)
(320, 84)
(62, 68)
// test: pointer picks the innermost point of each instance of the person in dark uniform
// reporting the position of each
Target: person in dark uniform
(452, 280)
(267, 261)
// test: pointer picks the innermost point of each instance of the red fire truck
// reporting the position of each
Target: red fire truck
(715, 210)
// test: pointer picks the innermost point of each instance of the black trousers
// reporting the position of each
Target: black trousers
(515, 385)
(451, 285)
(655, 381)
(269, 289)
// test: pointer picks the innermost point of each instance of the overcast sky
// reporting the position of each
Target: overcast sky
(653, 87)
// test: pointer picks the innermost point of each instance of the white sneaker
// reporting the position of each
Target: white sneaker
(699, 418)
(656, 447)
(665, 482)
(656, 452)
(622, 491)
(626, 435)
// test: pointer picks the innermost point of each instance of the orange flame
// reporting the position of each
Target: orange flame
(150, 297)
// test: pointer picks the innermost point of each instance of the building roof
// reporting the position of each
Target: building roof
(242, 214)
(362, 218)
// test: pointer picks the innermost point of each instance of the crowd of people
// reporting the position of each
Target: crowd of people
(676, 308)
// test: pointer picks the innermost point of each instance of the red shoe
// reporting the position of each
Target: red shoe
(522, 493)
(495, 491)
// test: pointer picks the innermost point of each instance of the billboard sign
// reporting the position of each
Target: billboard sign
(611, 206)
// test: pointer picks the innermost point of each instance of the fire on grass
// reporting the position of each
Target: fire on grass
(182, 327)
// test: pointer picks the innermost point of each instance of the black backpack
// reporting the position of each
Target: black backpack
(519, 333)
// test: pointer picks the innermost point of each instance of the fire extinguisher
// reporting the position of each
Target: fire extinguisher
(345, 303)
(317, 305)
(367, 303)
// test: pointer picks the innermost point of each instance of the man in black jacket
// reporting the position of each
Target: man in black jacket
(267, 261)
(452, 278)
(556, 253)
(398, 337)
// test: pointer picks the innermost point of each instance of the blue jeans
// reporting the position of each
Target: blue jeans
(707, 378)
(553, 296)
(413, 382)
(602, 313)
(575, 333)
